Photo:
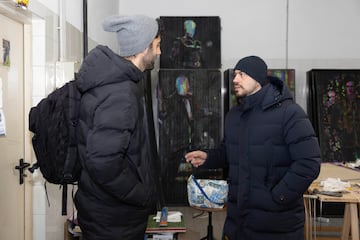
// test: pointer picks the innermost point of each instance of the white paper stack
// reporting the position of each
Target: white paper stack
(173, 216)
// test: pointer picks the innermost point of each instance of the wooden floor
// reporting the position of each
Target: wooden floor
(328, 233)
(196, 225)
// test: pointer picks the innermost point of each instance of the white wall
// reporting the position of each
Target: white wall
(97, 12)
(324, 29)
(318, 34)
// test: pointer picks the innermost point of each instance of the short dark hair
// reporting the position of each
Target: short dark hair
(161, 28)
(159, 33)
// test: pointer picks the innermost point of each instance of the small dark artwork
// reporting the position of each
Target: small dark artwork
(334, 108)
(287, 75)
(189, 116)
(190, 42)
(6, 52)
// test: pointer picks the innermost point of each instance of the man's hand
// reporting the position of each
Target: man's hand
(196, 158)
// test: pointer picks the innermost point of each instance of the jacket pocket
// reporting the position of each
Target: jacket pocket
(275, 222)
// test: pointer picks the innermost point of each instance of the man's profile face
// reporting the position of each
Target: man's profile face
(152, 53)
(244, 85)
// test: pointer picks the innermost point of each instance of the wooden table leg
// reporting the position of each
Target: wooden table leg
(307, 221)
(351, 222)
(346, 224)
(354, 221)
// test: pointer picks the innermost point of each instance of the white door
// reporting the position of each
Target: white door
(12, 147)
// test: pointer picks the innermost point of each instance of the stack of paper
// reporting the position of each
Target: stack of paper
(334, 185)
(173, 216)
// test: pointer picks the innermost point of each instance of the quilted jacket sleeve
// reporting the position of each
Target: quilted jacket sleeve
(216, 157)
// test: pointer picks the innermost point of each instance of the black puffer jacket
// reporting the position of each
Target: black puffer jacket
(273, 156)
(116, 188)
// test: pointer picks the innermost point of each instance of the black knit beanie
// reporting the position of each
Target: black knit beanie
(255, 67)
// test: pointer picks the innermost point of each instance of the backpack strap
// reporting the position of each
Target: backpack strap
(64, 200)
(74, 108)
(72, 153)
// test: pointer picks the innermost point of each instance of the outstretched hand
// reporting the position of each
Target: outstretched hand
(196, 158)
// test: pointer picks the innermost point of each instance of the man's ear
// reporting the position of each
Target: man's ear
(143, 53)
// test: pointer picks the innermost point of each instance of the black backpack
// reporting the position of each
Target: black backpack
(53, 122)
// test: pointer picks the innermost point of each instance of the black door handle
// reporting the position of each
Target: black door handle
(21, 167)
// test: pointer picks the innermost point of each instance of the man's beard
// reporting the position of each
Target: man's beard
(240, 92)
(149, 65)
(149, 61)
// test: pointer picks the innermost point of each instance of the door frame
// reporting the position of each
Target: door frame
(28, 152)
(24, 17)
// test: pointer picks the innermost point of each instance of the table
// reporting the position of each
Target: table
(172, 227)
(71, 232)
(351, 198)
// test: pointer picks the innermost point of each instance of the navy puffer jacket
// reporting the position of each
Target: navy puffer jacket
(273, 156)
(116, 188)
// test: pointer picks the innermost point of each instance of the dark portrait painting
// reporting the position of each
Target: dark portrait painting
(190, 42)
(189, 117)
(334, 108)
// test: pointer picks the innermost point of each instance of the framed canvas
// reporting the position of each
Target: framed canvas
(189, 118)
(334, 109)
(287, 75)
(190, 42)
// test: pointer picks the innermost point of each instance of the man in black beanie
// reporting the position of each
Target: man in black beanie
(116, 190)
(272, 153)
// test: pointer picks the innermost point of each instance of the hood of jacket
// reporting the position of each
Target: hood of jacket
(102, 66)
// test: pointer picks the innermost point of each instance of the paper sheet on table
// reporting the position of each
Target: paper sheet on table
(334, 185)
(173, 216)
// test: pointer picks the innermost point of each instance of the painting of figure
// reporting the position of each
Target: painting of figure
(190, 42)
(334, 106)
(189, 118)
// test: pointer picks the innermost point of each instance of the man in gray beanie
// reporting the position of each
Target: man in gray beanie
(272, 154)
(117, 189)
(134, 33)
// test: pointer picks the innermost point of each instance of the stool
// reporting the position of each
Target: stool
(209, 235)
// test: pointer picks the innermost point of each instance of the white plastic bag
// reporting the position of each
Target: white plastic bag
(207, 193)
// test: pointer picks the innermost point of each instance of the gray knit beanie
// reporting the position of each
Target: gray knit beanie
(134, 33)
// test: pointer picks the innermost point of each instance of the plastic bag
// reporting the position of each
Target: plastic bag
(207, 193)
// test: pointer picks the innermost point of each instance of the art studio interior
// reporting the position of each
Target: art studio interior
(311, 46)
